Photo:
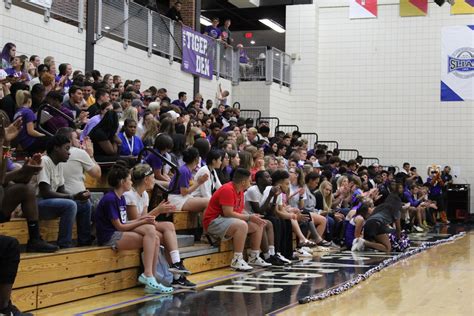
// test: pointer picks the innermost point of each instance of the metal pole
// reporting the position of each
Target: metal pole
(150, 33)
(80, 15)
(125, 26)
(171, 41)
(197, 27)
(90, 33)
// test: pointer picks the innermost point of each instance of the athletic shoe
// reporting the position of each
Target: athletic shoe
(183, 283)
(418, 229)
(178, 268)
(282, 258)
(39, 245)
(358, 244)
(258, 262)
(301, 253)
(307, 249)
(239, 264)
(275, 261)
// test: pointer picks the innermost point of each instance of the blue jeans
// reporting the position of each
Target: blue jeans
(68, 211)
(83, 220)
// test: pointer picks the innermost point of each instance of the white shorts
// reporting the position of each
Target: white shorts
(178, 200)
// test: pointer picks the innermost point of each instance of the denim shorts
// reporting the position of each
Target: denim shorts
(116, 236)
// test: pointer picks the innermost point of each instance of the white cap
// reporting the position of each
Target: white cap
(173, 114)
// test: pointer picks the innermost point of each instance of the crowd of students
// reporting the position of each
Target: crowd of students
(245, 181)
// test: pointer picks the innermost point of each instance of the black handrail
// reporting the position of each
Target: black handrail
(253, 114)
(327, 142)
(166, 161)
(48, 108)
(355, 153)
(293, 127)
(370, 161)
(312, 139)
(236, 105)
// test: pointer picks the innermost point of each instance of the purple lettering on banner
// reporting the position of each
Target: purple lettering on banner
(198, 54)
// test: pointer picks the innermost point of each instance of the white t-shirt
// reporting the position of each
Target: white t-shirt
(205, 189)
(51, 174)
(73, 170)
(252, 194)
(296, 198)
(279, 199)
(133, 198)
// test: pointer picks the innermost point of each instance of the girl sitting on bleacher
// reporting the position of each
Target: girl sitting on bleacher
(137, 207)
(114, 229)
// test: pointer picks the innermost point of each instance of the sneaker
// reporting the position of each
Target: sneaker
(239, 264)
(283, 258)
(178, 268)
(275, 261)
(307, 249)
(183, 283)
(358, 244)
(301, 253)
(39, 245)
(418, 229)
(258, 262)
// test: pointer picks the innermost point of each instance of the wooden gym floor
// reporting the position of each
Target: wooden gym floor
(439, 281)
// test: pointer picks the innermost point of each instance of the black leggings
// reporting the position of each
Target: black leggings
(9, 259)
(283, 235)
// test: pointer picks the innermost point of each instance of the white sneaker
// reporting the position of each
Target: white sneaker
(358, 244)
(418, 229)
(307, 249)
(301, 253)
(282, 258)
(239, 264)
(258, 262)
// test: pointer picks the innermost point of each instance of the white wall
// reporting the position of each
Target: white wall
(32, 35)
(378, 84)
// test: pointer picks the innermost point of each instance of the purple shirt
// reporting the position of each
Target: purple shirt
(179, 103)
(213, 32)
(93, 121)
(58, 121)
(136, 145)
(154, 161)
(28, 116)
(184, 181)
(67, 84)
(110, 208)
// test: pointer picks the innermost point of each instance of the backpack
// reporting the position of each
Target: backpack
(163, 274)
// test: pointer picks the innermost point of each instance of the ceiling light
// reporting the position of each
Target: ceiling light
(273, 25)
(154, 45)
(205, 21)
(107, 27)
(252, 42)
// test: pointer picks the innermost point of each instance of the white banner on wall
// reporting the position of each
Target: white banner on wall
(457, 63)
(42, 3)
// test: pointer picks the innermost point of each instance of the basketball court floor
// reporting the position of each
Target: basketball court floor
(436, 281)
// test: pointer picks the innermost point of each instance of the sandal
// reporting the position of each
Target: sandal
(307, 243)
(151, 286)
(324, 243)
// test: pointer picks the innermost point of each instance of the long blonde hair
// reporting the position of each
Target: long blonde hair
(327, 200)
(22, 97)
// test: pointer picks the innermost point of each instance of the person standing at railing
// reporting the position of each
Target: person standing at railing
(213, 30)
(226, 34)
(174, 13)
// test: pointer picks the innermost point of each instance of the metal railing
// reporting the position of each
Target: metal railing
(368, 161)
(288, 129)
(273, 122)
(329, 144)
(312, 139)
(134, 24)
(348, 154)
(253, 114)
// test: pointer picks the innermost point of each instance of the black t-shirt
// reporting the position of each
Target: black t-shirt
(98, 135)
(8, 105)
(174, 14)
(93, 110)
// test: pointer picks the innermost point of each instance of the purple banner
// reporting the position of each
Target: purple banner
(198, 54)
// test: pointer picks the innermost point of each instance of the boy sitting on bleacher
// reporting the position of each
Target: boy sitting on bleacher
(14, 184)
(225, 219)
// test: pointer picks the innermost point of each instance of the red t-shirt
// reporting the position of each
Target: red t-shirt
(224, 196)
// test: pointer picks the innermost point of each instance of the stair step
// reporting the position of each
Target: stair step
(185, 240)
(198, 249)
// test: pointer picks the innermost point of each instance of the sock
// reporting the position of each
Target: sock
(313, 230)
(254, 253)
(266, 255)
(176, 276)
(238, 255)
(33, 230)
(174, 254)
(271, 250)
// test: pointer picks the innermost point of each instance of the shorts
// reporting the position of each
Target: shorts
(116, 236)
(219, 226)
(374, 228)
(178, 200)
